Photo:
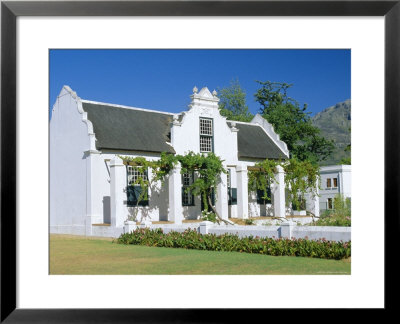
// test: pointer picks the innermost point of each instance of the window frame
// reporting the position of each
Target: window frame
(184, 186)
(206, 135)
(232, 192)
(135, 187)
(328, 183)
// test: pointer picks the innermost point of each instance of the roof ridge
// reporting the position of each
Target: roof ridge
(241, 122)
(127, 107)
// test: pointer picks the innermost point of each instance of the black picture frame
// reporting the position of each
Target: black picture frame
(10, 10)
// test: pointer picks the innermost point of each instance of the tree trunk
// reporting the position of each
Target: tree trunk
(215, 211)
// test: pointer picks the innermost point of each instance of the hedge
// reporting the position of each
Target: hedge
(191, 239)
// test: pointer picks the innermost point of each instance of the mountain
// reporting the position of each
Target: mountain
(334, 123)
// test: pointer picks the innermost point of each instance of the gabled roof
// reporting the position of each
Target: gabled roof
(129, 129)
(253, 142)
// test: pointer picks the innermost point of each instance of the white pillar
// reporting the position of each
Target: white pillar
(91, 218)
(278, 191)
(222, 197)
(175, 212)
(287, 229)
(129, 226)
(312, 200)
(315, 200)
(205, 226)
(242, 192)
(117, 192)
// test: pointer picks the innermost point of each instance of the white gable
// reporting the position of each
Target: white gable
(269, 129)
(204, 104)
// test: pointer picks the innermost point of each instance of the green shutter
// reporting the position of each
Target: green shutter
(232, 196)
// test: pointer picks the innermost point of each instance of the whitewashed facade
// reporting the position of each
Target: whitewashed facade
(88, 181)
(335, 179)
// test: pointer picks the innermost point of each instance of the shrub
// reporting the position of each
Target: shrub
(191, 239)
(208, 216)
(339, 216)
(249, 221)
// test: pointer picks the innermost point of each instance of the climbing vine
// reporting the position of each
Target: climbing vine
(300, 176)
(261, 176)
(207, 167)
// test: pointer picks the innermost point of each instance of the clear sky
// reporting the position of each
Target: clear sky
(164, 79)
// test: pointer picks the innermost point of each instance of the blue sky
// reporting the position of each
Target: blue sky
(164, 79)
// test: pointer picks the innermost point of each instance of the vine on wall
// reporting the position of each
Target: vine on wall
(207, 168)
(300, 176)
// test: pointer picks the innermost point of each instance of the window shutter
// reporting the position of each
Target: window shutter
(233, 196)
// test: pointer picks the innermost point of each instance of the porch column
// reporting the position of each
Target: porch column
(175, 212)
(90, 217)
(278, 191)
(117, 192)
(242, 192)
(222, 197)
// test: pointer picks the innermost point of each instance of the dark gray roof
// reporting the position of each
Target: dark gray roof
(253, 142)
(129, 129)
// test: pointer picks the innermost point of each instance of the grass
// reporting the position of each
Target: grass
(81, 255)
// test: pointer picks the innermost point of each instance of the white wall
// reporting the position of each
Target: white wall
(158, 194)
(343, 174)
(79, 174)
(69, 140)
(185, 135)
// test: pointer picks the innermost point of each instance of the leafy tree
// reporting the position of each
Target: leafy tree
(292, 123)
(233, 103)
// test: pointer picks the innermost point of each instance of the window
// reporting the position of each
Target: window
(330, 203)
(335, 182)
(261, 194)
(206, 135)
(328, 183)
(232, 192)
(134, 190)
(187, 197)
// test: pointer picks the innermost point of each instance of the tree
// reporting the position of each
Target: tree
(292, 123)
(233, 103)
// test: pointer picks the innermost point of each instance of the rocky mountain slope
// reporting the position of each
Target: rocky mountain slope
(335, 123)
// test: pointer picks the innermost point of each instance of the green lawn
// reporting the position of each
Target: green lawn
(81, 255)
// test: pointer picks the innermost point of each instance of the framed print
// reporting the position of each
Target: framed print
(30, 28)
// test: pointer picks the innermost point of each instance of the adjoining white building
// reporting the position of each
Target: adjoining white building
(90, 185)
(335, 179)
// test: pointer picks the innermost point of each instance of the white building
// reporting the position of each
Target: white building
(89, 182)
(335, 179)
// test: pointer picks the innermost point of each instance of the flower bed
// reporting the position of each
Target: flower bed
(191, 239)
